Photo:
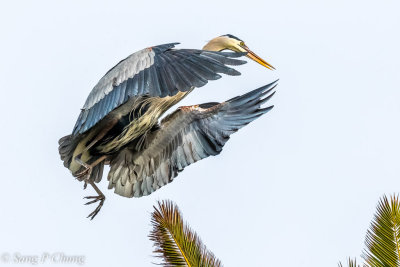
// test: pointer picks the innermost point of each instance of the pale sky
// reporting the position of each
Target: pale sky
(297, 187)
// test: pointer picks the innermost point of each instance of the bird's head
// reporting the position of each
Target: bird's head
(230, 42)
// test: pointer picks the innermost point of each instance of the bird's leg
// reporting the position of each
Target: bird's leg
(100, 197)
(86, 172)
(88, 168)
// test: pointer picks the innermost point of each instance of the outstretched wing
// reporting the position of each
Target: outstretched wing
(184, 137)
(155, 71)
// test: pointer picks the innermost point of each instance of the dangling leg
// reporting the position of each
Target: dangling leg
(100, 197)
(88, 167)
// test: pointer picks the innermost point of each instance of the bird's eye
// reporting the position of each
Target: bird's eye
(242, 43)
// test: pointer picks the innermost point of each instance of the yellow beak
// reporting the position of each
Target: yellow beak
(253, 56)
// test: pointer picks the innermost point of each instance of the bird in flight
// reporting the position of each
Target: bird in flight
(119, 122)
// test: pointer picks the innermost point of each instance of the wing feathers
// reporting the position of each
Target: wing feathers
(156, 71)
(184, 137)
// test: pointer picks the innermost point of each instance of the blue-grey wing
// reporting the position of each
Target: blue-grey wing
(155, 71)
(187, 135)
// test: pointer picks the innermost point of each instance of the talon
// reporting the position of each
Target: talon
(89, 197)
(91, 202)
(96, 211)
(100, 198)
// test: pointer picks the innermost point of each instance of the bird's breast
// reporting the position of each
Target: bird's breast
(145, 114)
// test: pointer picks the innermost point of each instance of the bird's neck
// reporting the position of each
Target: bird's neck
(213, 47)
(216, 44)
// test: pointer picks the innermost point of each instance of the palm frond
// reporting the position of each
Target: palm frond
(383, 237)
(350, 263)
(176, 243)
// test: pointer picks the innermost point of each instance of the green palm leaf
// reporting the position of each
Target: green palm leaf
(175, 242)
(383, 237)
(350, 263)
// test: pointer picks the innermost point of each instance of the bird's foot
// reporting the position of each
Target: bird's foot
(100, 198)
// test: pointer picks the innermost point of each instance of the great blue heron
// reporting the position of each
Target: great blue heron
(118, 124)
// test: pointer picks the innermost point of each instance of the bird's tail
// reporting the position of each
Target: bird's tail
(66, 149)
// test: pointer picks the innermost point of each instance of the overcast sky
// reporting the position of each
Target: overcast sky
(297, 187)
